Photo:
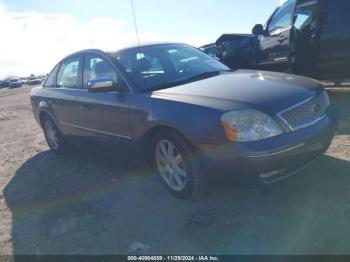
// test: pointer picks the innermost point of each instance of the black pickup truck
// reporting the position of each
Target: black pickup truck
(308, 37)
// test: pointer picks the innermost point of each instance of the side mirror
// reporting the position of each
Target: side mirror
(101, 85)
(258, 30)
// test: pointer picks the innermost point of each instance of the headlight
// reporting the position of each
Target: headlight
(249, 125)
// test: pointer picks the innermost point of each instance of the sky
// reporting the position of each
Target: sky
(36, 34)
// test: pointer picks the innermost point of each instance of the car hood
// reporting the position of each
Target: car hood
(268, 92)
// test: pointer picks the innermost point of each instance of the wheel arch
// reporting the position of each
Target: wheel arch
(44, 114)
(148, 138)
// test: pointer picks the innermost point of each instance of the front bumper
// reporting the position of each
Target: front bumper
(276, 158)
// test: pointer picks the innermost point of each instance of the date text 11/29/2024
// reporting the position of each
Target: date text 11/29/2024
(173, 258)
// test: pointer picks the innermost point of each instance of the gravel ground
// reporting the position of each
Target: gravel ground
(85, 203)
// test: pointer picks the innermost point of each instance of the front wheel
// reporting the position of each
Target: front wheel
(178, 165)
(53, 137)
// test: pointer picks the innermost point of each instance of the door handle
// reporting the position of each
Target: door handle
(85, 108)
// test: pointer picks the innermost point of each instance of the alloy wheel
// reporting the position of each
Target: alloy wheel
(171, 165)
(51, 135)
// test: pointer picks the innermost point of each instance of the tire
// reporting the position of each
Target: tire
(186, 165)
(53, 136)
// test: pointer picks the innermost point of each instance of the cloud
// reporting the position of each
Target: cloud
(33, 42)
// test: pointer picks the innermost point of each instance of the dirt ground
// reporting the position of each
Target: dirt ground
(86, 203)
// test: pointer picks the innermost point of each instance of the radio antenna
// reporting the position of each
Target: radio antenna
(135, 22)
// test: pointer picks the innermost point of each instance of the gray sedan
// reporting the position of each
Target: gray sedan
(185, 113)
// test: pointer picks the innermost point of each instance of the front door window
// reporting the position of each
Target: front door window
(68, 76)
(283, 16)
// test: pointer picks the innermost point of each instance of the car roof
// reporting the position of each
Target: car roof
(145, 44)
(141, 45)
(125, 47)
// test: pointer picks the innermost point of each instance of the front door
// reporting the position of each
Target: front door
(273, 48)
(104, 117)
(304, 45)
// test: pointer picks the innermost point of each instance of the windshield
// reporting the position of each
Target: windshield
(162, 66)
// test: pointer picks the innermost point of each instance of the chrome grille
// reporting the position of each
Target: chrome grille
(307, 112)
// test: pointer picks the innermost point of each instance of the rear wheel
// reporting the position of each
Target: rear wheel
(178, 165)
(53, 137)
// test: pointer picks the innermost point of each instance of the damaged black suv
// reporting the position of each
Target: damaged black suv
(309, 37)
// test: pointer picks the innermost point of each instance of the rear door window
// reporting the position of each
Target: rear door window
(305, 13)
(68, 75)
(51, 79)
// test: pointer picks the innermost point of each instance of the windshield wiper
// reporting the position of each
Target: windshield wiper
(206, 75)
(165, 85)
(188, 80)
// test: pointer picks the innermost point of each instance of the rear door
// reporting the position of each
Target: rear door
(273, 48)
(64, 97)
(304, 44)
(334, 37)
